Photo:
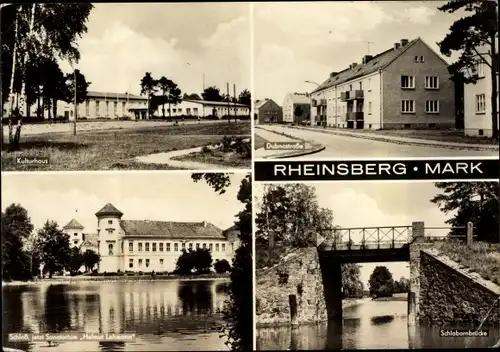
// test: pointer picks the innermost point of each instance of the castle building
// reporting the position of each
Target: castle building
(406, 86)
(144, 245)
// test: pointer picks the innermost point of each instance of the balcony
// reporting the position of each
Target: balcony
(314, 103)
(319, 118)
(352, 95)
(354, 116)
(344, 96)
(322, 102)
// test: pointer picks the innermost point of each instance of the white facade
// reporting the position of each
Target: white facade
(139, 250)
(204, 108)
(290, 103)
(477, 101)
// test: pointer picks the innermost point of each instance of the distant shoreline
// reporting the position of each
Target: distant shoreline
(76, 279)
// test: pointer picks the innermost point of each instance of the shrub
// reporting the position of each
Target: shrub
(206, 149)
(222, 266)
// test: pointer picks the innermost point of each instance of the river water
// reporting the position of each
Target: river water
(370, 324)
(164, 315)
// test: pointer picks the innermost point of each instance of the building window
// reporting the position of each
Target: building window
(190, 246)
(140, 263)
(360, 85)
(369, 107)
(130, 246)
(481, 103)
(211, 247)
(87, 108)
(369, 84)
(147, 246)
(75, 234)
(110, 231)
(154, 246)
(168, 247)
(183, 245)
(97, 108)
(176, 247)
(161, 262)
(408, 106)
(479, 69)
(422, 59)
(432, 106)
(223, 247)
(197, 245)
(350, 87)
(130, 263)
(147, 263)
(216, 247)
(75, 242)
(188, 111)
(161, 246)
(139, 248)
(110, 222)
(431, 82)
(123, 108)
(204, 246)
(116, 108)
(107, 108)
(407, 82)
(416, 58)
(195, 111)
(110, 249)
(180, 110)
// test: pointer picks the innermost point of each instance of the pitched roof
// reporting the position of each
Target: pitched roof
(260, 103)
(171, 230)
(299, 98)
(215, 103)
(109, 209)
(378, 62)
(111, 96)
(73, 224)
(232, 228)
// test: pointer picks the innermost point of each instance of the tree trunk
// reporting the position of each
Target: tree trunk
(163, 110)
(49, 108)
(54, 108)
(17, 137)
(39, 115)
(14, 64)
(494, 88)
(147, 110)
(169, 111)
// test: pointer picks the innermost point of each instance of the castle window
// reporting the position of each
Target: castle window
(190, 246)
(139, 247)
(211, 246)
(147, 246)
(130, 246)
(75, 242)
(183, 245)
(140, 263)
(176, 247)
(161, 246)
(130, 263)
(110, 249)
(204, 246)
(223, 249)
(76, 234)
(110, 222)
(147, 263)
(161, 262)
(154, 246)
(110, 231)
(168, 247)
(197, 245)
(216, 247)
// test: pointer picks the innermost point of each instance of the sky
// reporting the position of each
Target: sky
(295, 42)
(176, 40)
(378, 204)
(170, 196)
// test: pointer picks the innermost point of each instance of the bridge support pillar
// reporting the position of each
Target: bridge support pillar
(332, 283)
(418, 233)
(411, 308)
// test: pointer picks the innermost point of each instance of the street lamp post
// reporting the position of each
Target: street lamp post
(323, 93)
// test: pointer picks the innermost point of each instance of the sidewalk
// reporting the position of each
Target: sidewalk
(263, 153)
(397, 139)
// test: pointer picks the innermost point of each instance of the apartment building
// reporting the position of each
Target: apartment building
(267, 111)
(477, 98)
(406, 86)
(296, 108)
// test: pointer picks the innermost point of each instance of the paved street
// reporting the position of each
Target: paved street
(351, 147)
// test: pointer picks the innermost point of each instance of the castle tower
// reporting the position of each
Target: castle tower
(110, 238)
(75, 231)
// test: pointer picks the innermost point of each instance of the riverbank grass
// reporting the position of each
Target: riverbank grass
(480, 257)
(114, 149)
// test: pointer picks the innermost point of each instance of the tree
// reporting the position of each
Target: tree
(212, 94)
(298, 113)
(240, 308)
(202, 260)
(222, 266)
(402, 286)
(475, 36)
(16, 229)
(381, 282)
(40, 29)
(76, 260)
(54, 247)
(170, 92)
(192, 96)
(148, 87)
(185, 263)
(81, 88)
(90, 259)
(245, 97)
(351, 280)
(476, 202)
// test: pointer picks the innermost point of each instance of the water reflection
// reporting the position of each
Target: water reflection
(180, 315)
(375, 325)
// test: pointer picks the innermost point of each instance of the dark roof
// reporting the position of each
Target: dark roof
(378, 62)
(299, 98)
(216, 103)
(171, 230)
(73, 224)
(232, 228)
(90, 239)
(109, 209)
(111, 96)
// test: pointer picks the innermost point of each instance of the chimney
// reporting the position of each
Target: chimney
(396, 46)
(404, 42)
(204, 224)
(354, 65)
(333, 74)
(366, 58)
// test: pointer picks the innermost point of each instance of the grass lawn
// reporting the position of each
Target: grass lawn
(115, 149)
(259, 141)
(481, 257)
(456, 136)
(217, 157)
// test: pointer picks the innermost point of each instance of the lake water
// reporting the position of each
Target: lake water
(371, 324)
(164, 315)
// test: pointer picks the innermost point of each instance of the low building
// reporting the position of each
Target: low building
(477, 98)
(296, 108)
(406, 86)
(267, 111)
(204, 108)
(144, 245)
